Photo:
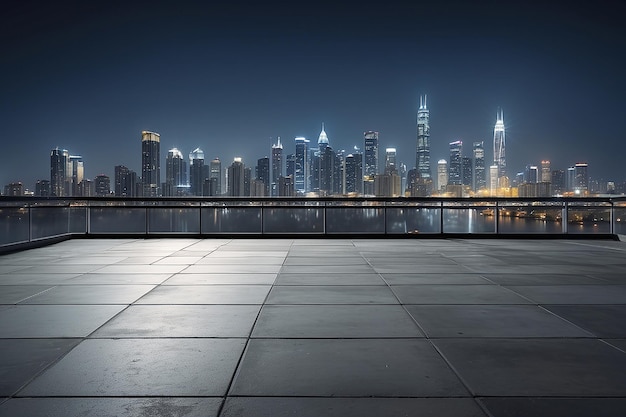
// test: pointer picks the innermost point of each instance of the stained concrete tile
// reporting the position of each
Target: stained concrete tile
(58, 269)
(140, 269)
(329, 279)
(313, 260)
(113, 279)
(322, 268)
(41, 321)
(537, 367)
(181, 321)
(491, 321)
(234, 268)
(422, 269)
(348, 407)
(329, 294)
(12, 294)
(221, 279)
(344, 368)
(441, 279)
(90, 294)
(141, 367)
(35, 279)
(618, 343)
(601, 320)
(250, 260)
(207, 294)
(456, 294)
(574, 294)
(111, 407)
(335, 321)
(542, 279)
(613, 278)
(22, 359)
(415, 261)
(178, 260)
(555, 407)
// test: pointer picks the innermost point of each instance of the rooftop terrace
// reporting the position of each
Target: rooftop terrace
(314, 327)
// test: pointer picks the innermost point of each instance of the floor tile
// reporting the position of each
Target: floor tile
(335, 321)
(542, 279)
(181, 321)
(221, 279)
(243, 260)
(537, 367)
(233, 268)
(113, 279)
(111, 407)
(142, 367)
(441, 279)
(456, 294)
(41, 321)
(22, 359)
(207, 294)
(349, 407)
(344, 368)
(574, 294)
(90, 294)
(555, 407)
(140, 269)
(329, 294)
(601, 320)
(491, 321)
(12, 294)
(329, 279)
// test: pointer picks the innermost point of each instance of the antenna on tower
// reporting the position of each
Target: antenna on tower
(425, 100)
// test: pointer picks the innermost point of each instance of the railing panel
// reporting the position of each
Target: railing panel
(232, 220)
(468, 220)
(49, 222)
(530, 218)
(355, 220)
(78, 219)
(293, 220)
(117, 220)
(14, 225)
(413, 220)
(589, 220)
(173, 220)
(619, 221)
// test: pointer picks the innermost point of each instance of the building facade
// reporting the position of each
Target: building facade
(151, 163)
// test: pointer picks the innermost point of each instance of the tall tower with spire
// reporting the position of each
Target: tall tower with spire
(277, 166)
(499, 145)
(423, 139)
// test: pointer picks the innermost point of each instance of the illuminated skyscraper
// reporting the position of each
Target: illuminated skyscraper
(546, 174)
(175, 173)
(236, 179)
(499, 145)
(456, 163)
(215, 177)
(277, 166)
(581, 178)
(102, 185)
(423, 140)
(263, 176)
(59, 159)
(480, 180)
(301, 172)
(353, 173)
(371, 153)
(442, 175)
(150, 163)
(326, 164)
(125, 182)
(391, 161)
(197, 172)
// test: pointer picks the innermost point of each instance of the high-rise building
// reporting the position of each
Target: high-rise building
(125, 182)
(236, 179)
(391, 161)
(301, 169)
(570, 179)
(353, 173)
(581, 178)
(442, 175)
(86, 188)
(42, 188)
(277, 166)
(215, 177)
(370, 153)
(263, 176)
(558, 181)
(531, 174)
(59, 160)
(175, 173)
(493, 180)
(197, 172)
(466, 171)
(480, 179)
(77, 169)
(150, 163)
(423, 140)
(325, 164)
(499, 145)
(290, 165)
(14, 189)
(456, 163)
(546, 174)
(102, 185)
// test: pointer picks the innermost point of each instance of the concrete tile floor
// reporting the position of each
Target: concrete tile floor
(314, 327)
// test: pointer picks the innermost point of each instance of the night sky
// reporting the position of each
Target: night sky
(230, 78)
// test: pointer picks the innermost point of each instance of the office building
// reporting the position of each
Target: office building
(423, 140)
(499, 145)
(59, 159)
(442, 175)
(301, 168)
(546, 174)
(581, 178)
(237, 180)
(125, 182)
(197, 172)
(42, 188)
(531, 174)
(150, 163)
(558, 181)
(175, 173)
(263, 176)
(353, 173)
(370, 156)
(456, 163)
(466, 171)
(277, 167)
(215, 177)
(391, 161)
(102, 185)
(480, 175)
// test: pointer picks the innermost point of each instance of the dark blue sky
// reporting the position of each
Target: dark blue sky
(230, 78)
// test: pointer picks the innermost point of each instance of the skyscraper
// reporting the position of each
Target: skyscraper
(499, 145)
(277, 166)
(581, 178)
(150, 163)
(480, 180)
(102, 185)
(546, 174)
(423, 140)
(263, 175)
(353, 173)
(175, 173)
(76, 173)
(326, 164)
(442, 175)
(391, 161)
(456, 163)
(215, 176)
(301, 172)
(59, 159)
(466, 171)
(371, 153)
(197, 172)
(125, 181)
(236, 178)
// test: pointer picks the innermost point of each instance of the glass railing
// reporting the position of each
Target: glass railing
(24, 220)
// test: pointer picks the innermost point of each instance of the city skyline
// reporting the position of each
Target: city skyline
(231, 79)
